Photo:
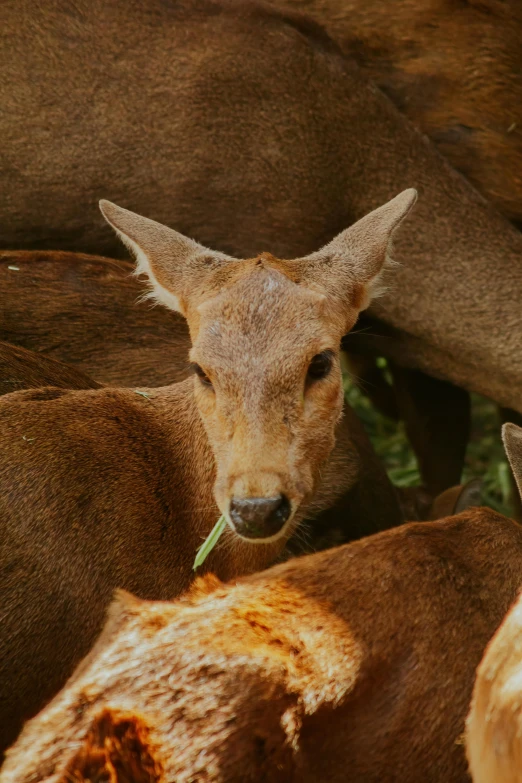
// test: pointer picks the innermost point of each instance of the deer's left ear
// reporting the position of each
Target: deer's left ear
(175, 265)
(349, 267)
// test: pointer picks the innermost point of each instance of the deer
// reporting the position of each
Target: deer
(322, 152)
(355, 658)
(493, 743)
(105, 488)
(88, 313)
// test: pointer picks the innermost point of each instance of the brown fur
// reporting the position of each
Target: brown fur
(109, 488)
(85, 310)
(21, 369)
(352, 662)
(278, 146)
(453, 67)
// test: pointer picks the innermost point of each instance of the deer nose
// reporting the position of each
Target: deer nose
(259, 517)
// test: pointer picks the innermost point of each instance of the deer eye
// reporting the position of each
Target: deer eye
(320, 365)
(203, 377)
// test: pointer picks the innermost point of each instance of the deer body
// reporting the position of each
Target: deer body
(323, 148)
(493, 727)
(21, 369)
(355, 659)
(84, 312)
(424, 56)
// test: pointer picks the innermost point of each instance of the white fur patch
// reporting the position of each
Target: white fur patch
(378, 286)
(156, 293)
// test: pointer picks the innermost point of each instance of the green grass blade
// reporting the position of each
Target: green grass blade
(209, 543)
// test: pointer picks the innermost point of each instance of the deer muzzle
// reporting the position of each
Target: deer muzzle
(259, 518)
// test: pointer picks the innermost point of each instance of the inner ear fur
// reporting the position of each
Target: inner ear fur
(349, 268)
(174, 265)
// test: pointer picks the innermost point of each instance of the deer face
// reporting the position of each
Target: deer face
(265, 336)
(268, 387)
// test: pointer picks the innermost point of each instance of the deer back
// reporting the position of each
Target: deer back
(85, 311)
(304, 141)
(354, 658)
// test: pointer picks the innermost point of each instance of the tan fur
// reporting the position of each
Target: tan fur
(355, 663)
(494, 723)
(107, 487)
(248, 131)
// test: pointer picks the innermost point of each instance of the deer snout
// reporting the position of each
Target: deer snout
(259, 517)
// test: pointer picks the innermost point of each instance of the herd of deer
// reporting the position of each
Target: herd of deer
(387, 650)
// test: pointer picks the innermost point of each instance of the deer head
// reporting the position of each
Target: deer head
(265, 351)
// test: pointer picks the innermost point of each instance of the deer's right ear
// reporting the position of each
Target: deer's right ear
(512, 437)
(173, 263)
(349, 268)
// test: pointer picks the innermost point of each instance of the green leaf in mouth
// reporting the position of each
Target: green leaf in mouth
(209, 543)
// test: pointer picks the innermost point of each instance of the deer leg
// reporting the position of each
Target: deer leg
(437, 417)
(370, 379)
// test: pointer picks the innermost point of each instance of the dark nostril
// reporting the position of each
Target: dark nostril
(259, 517)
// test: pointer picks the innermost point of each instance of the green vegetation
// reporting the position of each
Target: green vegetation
(485, 457)
(210, 542)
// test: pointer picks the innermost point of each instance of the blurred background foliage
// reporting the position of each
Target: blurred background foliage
(485, 458)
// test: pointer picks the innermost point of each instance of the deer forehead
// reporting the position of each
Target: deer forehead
(262, 312)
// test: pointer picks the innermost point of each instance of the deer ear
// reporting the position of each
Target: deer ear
(351, 265)
(173, 264)
(512, 437)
